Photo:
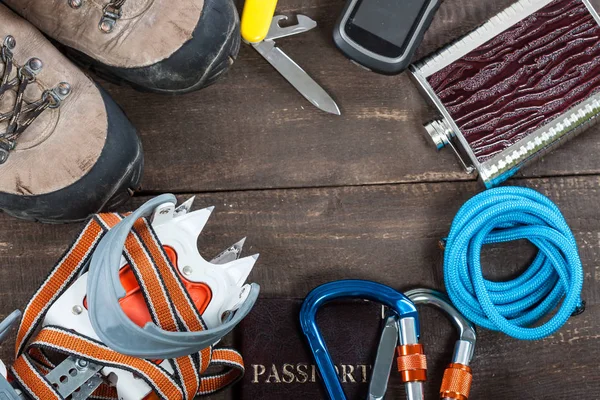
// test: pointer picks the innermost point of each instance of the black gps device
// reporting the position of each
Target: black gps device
(382, 35)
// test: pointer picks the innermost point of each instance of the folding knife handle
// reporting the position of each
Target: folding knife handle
(256, 19)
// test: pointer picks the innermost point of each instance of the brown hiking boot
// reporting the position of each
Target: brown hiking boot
(167, 46)
(66, 149)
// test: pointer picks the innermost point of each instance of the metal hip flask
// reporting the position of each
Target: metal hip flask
(523, 82)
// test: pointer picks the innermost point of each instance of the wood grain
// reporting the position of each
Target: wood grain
(363, 195)
(252, 130)
(387, 233)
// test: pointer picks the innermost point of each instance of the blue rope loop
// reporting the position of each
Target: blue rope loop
(556, 275)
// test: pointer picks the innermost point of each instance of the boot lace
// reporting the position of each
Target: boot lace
(111, 13)
(23, 114)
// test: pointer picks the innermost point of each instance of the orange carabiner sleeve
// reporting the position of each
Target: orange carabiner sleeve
(456, 383)
(412, 363)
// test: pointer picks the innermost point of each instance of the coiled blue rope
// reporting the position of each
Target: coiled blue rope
(502, 215)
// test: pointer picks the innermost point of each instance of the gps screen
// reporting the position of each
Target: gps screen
(383, 18)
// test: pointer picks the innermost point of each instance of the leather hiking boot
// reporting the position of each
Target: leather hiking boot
(166, 46)
(66, 149)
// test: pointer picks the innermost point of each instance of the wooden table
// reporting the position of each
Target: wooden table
(363, 195)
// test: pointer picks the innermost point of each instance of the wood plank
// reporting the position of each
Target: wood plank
(252, 130)
(561, 366)
(503, 367)
(387, 233)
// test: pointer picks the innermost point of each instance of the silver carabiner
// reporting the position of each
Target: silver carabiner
(457, 380)
(458, 377)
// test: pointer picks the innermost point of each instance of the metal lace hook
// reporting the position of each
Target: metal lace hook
(75, 4)
(23, 114)
(31, 69)
(57, 95)
(112, 12)
(5, 148)
(8, 46)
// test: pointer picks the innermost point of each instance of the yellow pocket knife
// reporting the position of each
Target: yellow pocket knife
(256, 19)
(260, 28)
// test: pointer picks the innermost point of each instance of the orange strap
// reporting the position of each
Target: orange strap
(170, 307)
(32, 381)
(59, 279)
(234, 370)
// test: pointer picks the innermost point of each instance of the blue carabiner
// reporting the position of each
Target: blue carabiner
(397, 302)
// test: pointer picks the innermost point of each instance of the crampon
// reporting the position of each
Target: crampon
(132, 311)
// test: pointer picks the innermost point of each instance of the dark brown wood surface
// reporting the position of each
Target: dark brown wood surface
(252, 130)
(363, 196)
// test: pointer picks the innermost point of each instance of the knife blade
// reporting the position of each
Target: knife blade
(296, 76)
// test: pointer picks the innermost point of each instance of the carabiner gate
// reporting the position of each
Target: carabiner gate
(407, 334)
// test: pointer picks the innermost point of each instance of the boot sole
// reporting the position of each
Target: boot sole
(124, 190)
